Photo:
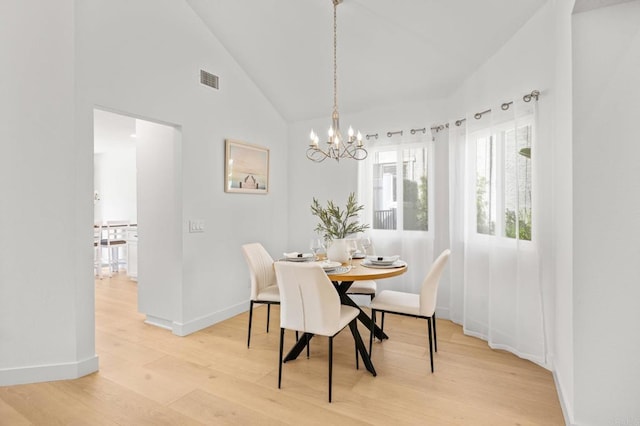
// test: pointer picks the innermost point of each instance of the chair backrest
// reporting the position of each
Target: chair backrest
(429, 291)
(260, 267)
(116, 232)
(97, 234)
(308, 300)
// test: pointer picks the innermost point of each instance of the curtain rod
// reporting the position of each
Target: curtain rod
(398, 132)
(478, 115)
(439, 127)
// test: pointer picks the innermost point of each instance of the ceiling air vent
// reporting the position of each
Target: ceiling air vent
(209, 79)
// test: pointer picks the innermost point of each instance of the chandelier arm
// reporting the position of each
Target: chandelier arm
(356, 152)
(317, 155)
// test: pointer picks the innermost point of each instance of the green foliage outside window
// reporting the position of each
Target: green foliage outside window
(415, 211)
(524, 224)
(484, 226)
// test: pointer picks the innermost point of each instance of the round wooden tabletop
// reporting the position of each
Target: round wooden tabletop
(359, 272)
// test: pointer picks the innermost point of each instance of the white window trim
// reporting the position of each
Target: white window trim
(497, 132)
(366, 190)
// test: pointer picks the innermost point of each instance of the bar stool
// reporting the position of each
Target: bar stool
(114, 238)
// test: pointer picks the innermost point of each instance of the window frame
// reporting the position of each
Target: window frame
(497, 133)
(399, 149)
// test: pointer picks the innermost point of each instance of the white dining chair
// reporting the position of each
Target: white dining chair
(421, 305)
(264, 289)
(364, 287)
(115, 240)
(310, 304)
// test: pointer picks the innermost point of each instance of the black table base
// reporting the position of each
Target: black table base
(342, 288)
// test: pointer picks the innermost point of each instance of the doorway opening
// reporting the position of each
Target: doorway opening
(137, 187)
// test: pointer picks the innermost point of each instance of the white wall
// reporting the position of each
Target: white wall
(606, 181)
(562, 213)
(144, 58)
(115, 181)
(46, 301)
(159, 180)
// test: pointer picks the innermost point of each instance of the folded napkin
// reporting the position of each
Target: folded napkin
(385, 259)
(295, 254)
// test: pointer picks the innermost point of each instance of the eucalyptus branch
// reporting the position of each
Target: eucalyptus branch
(336, 223)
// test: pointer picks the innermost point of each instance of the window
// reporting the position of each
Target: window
(503, 181)
(400, 188)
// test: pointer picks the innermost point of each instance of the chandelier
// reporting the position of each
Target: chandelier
(337, 147)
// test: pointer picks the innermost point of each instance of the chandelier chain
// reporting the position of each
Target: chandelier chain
(338, 146)
(335, 56)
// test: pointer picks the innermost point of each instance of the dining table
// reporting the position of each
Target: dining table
(342, 278)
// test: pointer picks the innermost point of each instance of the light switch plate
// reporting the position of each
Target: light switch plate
(196, 226)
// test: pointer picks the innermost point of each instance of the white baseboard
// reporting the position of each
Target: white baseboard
(197, 324)
(442, 313)
(566, 408)
(159, 322)
(49, 372)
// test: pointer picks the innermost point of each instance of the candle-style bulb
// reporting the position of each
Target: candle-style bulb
(312, 135)
(350, 132)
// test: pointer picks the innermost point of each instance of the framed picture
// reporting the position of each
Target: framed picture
(246, 168)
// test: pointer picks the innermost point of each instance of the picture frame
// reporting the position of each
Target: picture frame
(246, 168)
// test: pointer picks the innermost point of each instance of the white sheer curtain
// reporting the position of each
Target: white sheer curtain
(395, 184)
(495, 232)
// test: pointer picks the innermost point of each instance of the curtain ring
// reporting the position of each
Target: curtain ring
(529, 96)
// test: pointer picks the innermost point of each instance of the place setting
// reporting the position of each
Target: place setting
(295, 256)
(331, 267)
(383, 262)
(317, 247)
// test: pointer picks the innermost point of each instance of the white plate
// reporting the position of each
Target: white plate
(299, 257)
(329, 266)
(396, 264)
(382, 260)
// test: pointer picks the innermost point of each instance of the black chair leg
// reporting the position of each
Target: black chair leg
(355, 323)
(382, 322)
(430, 343)
(280, 361)
(373, 325)
(435, 336)
(330, 365)
(250, 319)
(268, 315)
(307, 346)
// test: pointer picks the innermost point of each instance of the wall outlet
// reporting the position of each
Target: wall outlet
(196, 226)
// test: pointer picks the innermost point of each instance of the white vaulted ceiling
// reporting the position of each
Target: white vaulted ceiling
(388, 50)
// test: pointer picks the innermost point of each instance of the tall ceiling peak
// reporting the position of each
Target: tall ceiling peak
(388, 51)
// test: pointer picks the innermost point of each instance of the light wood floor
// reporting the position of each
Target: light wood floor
(150, 377)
